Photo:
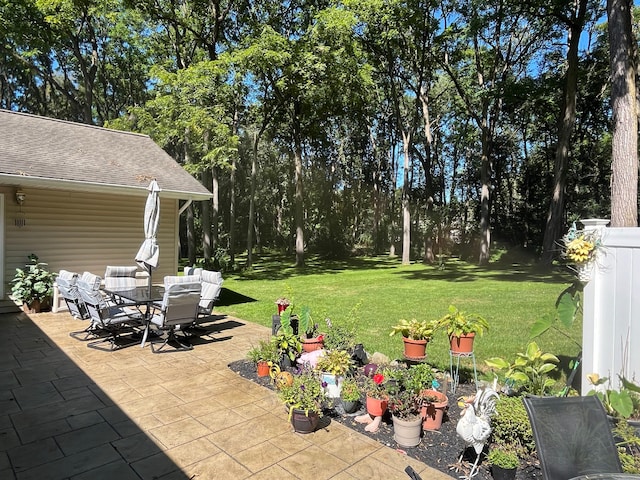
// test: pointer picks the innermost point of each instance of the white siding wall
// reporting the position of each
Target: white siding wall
(84, 232)
(612, 309)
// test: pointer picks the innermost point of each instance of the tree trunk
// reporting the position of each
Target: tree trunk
(206, 220)
(485, 227)
(428, 174)
(555, 217)
(624, 142)
(191, 230)
(232, 210)
(299, 196)
(252, 195)
(406, 213)
(215, 208)
(191, 236)
(232, 195)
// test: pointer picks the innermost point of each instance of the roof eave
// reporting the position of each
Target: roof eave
(94, 187)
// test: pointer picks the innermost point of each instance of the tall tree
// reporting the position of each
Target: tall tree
(488, 45)
(624, 143)
(575, 21)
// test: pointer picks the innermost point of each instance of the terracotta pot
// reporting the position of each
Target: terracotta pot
(304, 422)
(415, 349)
(462, 344)
(33, 307)
(433, 412)
(263, 369)
(406, 432)
(312, 344)
(377, 406)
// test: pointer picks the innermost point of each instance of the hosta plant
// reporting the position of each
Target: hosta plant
(530, 369)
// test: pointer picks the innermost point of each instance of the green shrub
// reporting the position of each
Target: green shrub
(511, 426)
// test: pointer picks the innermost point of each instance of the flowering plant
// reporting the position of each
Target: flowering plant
(580, 247)
(305, 393)
(405, 404)
(375, 386)
(283, 302)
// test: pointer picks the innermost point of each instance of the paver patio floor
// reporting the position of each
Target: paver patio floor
(69, 411)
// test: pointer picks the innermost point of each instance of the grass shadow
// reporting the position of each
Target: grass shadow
(229, 297)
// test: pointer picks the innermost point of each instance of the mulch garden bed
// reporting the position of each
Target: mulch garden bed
(439, 449)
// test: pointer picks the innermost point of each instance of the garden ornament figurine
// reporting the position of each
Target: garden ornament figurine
(474, 426)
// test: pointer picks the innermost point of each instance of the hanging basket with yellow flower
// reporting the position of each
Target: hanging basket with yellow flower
(580, 248)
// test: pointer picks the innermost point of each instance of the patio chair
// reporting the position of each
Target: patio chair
(67, 283)
(211, 287)
(573, 436)
(179, 309)
(120, 278)
(111, 322)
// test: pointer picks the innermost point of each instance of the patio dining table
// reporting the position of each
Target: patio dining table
(145, 298)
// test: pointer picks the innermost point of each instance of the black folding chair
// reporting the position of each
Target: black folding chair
(573, 436)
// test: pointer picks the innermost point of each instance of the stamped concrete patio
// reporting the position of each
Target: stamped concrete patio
(68, 411)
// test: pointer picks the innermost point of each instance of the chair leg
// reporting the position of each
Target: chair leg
(172, 341)
(90, 333)
(115, 338)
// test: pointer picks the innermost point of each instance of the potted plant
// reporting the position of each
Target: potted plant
(420, 377)
(434, 404)
(264, 355)
(621, 403)
(33, 285)
(282, 303)
(342, 336)
(309, 334)
(334, 364)
(350, 395)
(415, 335)
(377, 397)
(504, 462)
(288, 347)
(304, 399)
(405, 406)
(462, 328)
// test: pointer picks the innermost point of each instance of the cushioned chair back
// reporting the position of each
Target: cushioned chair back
(211, 287)
(181, 298)
(89, 288)
(573, 436)
(67, 283)
(120, 278)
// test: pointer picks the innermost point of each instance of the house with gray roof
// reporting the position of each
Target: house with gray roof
(74, 195)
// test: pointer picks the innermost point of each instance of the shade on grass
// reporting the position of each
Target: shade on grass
(510, 298)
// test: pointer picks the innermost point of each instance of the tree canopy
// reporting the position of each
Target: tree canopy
(412, 127)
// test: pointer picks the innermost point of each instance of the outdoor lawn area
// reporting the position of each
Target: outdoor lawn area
(510, 297)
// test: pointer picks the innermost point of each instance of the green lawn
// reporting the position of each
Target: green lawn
(511, 298)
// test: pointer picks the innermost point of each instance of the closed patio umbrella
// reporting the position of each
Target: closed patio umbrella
(147, 256)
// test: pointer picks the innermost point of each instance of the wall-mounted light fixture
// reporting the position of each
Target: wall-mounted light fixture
(20, 197)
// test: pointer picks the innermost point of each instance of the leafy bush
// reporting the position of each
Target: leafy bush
(529, 369)
(33, 282)
(511, 426)
(628, 446)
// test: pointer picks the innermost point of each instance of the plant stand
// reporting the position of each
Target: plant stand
(455, 374)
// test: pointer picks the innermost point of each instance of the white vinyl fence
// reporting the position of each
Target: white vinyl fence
(611, 328)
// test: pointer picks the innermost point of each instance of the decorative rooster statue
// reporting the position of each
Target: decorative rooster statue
(474, 426)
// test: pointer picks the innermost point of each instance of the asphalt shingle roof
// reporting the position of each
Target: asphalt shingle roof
(34, 148)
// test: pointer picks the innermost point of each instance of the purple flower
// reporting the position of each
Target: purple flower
(324, 384)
